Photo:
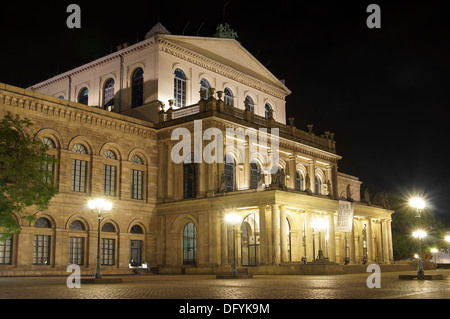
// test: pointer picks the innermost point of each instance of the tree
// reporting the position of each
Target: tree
(26, 185)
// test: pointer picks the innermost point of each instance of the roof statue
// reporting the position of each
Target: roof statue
(157, 29)
(224, 31)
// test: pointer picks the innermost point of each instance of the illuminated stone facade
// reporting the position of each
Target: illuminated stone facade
(171, 216)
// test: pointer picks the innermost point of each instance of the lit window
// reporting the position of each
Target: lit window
(251, 104)
(108, 94)
(179, 88)
(254, 174)
(5, 251)
(298, 181)
(230, 173)
(137, 88)
(76, 250)
(83, 96)
(318, 184)
(228, 97)
(269, 109)
(205, 86)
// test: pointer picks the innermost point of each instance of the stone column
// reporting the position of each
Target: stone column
(351, 239)
(169, 191)
(292, 172)
(214, 238)
(312, 174)
(389, 231)
(161, 168)
(223, 239)
(331, 238)
(369, 240)
(275, 235)
(308, 237)
(283, 234)
(246, 164)
(385, 242)
(201, 174)
(262, 235)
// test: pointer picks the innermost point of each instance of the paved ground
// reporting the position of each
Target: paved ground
(352, 286)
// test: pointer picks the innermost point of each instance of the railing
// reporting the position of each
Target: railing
(217, 107)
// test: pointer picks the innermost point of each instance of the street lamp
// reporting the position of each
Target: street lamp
(100, 204)
(320, 225)
(419, 234)
(418, 203)
(233, 219)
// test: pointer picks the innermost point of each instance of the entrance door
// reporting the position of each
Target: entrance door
(135, 252)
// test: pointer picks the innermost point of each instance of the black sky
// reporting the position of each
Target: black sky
(383, 92)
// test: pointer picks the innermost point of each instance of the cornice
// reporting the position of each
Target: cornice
(74, 112)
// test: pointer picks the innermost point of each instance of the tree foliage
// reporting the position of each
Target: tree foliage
(25, 188)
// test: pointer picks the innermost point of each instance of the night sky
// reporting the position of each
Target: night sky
(383, 92)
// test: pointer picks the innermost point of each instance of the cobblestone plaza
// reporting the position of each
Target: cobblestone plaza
(207, 287)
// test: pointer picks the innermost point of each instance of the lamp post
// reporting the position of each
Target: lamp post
(233, 219)
(419, 234)
(105, 205)
(418, 204)
(320, 225)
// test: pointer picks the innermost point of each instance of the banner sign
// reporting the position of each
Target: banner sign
(345, 216)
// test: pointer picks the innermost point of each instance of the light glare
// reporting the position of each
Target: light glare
(417, 202)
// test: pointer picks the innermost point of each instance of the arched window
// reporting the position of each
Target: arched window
(76, 225)
(108, 228)
(189, 244)
(269, 111)
(299, 181)
(230, 173)
(136, 160)
(42, 223)
(79, 170)
(318, 184)
(109, 174)
(189, 177)
(205, 86)
(108, 94)
(108, 245)
(136, 229)
(137, 178)
(254, 175)
(49, 142)
(179, 88)
(251, 104)
(228, 98)
(250, 240)
(80, 149)
(137, 88)
(49, 165)
(83, 96)
(41, 243)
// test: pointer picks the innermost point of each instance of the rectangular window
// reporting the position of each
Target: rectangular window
(76, 250)
(108, 247)
(109, 180)
(78, 176)
(41, 250)
(49, 169)
(5, 251)
(136, 184)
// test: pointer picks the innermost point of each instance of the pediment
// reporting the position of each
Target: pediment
(228, 52)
